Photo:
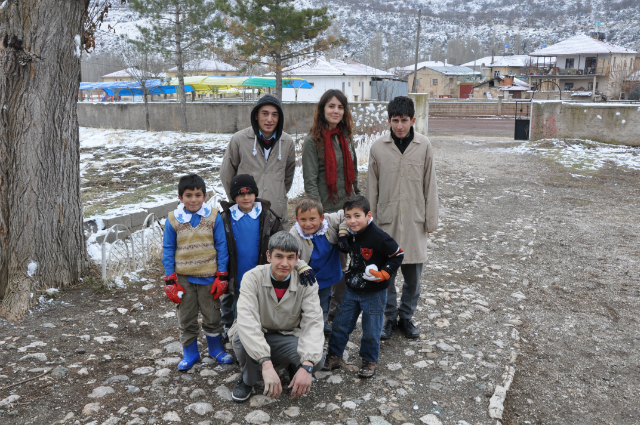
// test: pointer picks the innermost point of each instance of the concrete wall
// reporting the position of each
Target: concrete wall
(470, 108)
(607, 123)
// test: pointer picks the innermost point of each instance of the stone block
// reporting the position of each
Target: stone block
(121, 219)
(137, 218)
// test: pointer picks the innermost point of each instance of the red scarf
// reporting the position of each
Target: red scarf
(330, 166)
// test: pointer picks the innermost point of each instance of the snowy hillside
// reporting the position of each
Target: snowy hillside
(524, 25)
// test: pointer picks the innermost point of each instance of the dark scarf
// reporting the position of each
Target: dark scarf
(265, 143)
(330, 163)
(402, 144)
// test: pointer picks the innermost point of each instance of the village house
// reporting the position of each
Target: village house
(404, 71)
(208, 67)
(497, 66)
(507, 86)
(355, 80)
(122, 75)
(585, 65)
(445, 81)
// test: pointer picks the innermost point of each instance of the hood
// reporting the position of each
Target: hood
(268, 100)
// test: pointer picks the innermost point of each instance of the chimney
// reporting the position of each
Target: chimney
(445, 62)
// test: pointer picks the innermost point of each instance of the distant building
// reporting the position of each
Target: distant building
(584, 64)
(445, 81)
(208, 67)
(354, 79)
(122, 75)
(496, 66)
(404, 71)
(501, 85)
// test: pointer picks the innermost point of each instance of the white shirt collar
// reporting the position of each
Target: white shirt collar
(254, 213)
(285, 279)
(184, 216)
(355, 233)
(321, 231)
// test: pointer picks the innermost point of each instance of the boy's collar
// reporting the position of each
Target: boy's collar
(273, 277)
(321, 231)
(273, 136)
(183, 216)
(366, 227)
(237, 214)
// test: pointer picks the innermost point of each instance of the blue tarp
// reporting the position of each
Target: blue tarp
(129, 88)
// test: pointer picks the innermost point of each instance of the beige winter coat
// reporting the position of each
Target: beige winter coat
(298, 313)
(337, 225)
(273, 177)
(403, 193)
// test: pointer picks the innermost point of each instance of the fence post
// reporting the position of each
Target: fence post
(421, 102)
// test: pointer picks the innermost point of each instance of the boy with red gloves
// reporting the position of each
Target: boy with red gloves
(195, 259)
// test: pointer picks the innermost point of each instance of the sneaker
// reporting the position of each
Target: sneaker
(332, 361)
(368, 369)
(387, 329)
(407, 327)
(241, 391)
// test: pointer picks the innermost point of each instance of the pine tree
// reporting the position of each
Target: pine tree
(277, 30)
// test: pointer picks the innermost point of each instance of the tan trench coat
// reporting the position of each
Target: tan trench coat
(273, 177)
(403, 193)
(298, 313)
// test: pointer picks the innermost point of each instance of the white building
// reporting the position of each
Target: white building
(497, 66)
(404, 71)
(209, 67)
(352, 78)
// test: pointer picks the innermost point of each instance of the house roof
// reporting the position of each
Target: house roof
(579, 45)
(516, 61)
(126, 73)
(412, 66)
(205, 65)
(454, 70)
(518, 84)
(333, 67)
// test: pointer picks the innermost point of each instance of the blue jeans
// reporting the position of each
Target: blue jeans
(325, 302)
(371, 304)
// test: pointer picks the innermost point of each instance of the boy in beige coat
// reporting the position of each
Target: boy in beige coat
(402, 189)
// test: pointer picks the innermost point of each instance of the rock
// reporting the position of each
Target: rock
(515, 322)
(100, 392)
(113, 420)
(9, 400)
(204, 423)
(430, 419)
(174, 347)
(232, 378)
(141, 411)
(164, 372)
(168, 361)
(102, 339)
(223, 392)
(331, 407)
(519, 296)
(171, 417)
(495, 267)
(148, 287)
(384, 409)
(200, 408)
(421, 364)
(398, 416)
(394, 366)
(351, 421)
(132, 390)
(145, 370)
(117, 378)
(35, 356)
(83, 371)
(257, 417)
(59, 372)
(349, 405)
(334, 379)
(48, 325)
(436, 383)
(499, 343)
(80, 351)
(36, 370)
(208, 372)
(224, 416)
(259, 401)
(91, 408)
(292, 411)
(442, 323)
(378, 420)
(135, 421)
(445, 347)
(463, 317)
(401, 392)
(322, 374)
(197, 393)
(393, 383)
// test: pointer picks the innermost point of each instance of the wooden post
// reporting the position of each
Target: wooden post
(414, 87)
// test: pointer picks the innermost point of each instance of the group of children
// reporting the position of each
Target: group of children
(207, 252)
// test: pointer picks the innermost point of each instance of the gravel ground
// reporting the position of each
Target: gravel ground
(530, 283)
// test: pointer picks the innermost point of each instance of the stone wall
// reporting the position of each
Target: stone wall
(601, 122)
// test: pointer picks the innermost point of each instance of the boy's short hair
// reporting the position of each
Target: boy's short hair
(191, 182)
(307, 204)
(284, 241)
(357, 201)
(401, 106)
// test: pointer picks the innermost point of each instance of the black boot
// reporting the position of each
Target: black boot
(387, 329)
(406, 326)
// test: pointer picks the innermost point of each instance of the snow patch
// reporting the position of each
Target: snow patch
(31, 268)
(77, 49)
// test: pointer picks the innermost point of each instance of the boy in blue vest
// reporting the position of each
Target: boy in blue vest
(195, 260)
(249, 223)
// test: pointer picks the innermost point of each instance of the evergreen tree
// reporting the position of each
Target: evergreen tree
(177, 28)
(277, 30)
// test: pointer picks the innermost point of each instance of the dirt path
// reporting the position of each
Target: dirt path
(533, 270)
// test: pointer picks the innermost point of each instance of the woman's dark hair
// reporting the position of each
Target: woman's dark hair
(401, 106)
(320, 123)
(357, 201)
(191, 182)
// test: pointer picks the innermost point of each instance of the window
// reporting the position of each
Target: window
(311, 84)
(569, 63)
(496, 74)
(590, 86)
(434, 82)
(568, 86)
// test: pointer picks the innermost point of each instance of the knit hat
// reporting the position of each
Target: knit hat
(241, 184)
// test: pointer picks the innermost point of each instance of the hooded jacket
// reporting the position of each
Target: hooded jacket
(244, 156)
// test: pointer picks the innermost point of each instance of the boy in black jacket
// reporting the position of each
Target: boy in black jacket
(375, 257)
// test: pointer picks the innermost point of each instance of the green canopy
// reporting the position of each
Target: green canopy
(264, 82)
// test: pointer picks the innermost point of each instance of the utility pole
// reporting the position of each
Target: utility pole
(415, 68)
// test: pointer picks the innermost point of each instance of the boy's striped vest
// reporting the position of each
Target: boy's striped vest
(195, 251)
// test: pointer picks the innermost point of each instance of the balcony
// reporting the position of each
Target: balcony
(571, 72)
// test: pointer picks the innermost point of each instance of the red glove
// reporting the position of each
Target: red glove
(173, 289)
(219, 287)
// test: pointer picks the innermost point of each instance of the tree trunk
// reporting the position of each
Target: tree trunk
(180, 65)
(279, 77)
(146, 107)
(41, 235)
